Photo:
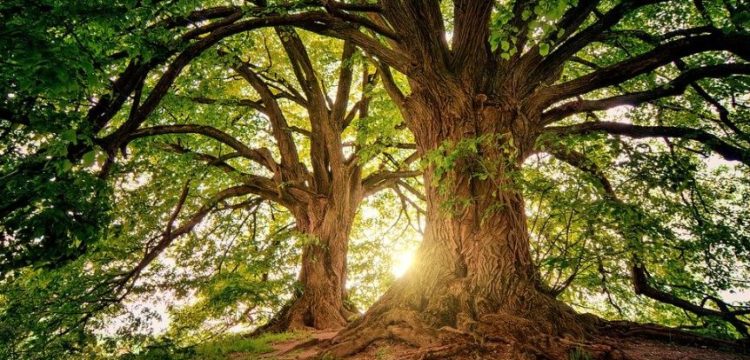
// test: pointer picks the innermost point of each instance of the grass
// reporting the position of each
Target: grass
(579, 354)
(221, 348)
(383, 353)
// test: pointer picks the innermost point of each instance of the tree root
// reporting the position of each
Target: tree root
(303, 345)
(537, 327)
(493, 336)
(626, 329)
(402, 325)
(294, 315)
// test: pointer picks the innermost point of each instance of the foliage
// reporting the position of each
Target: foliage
(83, 220)
(54, 67)
(673, 212)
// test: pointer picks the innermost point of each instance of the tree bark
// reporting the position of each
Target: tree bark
(325, 225)
(473, 273)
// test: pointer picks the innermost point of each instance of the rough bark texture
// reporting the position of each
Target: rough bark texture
(326, 225)
(473, 273)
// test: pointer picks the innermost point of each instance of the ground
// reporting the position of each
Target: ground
(310, 344)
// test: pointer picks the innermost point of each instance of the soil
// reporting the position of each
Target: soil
(627, 349)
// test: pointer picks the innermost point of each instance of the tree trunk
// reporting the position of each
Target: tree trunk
(473, 273)
(325, 225)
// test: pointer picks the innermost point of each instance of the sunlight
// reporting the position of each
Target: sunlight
(401, 261)
(618, 114)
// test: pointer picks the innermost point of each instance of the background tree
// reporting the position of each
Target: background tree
(87, 149)
(322, 192)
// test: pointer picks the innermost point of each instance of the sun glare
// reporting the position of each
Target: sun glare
(401, 262)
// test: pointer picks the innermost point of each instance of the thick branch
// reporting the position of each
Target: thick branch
(641, 64)
(261, 156)
(674, 87)
(341, 102)
(470, 33)
(728, 151)
(279, 124)
(325, 152)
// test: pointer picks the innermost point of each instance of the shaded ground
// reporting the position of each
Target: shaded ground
(303, 347)
(309, 346)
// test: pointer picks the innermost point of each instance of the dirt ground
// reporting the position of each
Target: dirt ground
(628, 349)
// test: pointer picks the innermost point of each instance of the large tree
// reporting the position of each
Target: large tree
(489, 85)
(317, 166)
(487, 108)
(322, 192)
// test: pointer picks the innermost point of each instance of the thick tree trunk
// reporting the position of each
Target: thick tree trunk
(473, 272)
(325, 225)
(323, 276)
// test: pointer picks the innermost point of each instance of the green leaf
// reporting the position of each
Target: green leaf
(65, 166)
(69, 136)
(89, 158)
(543, 49)
(505, 45)
(526, 14)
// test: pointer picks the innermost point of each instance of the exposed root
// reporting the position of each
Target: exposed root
(530, 325)
(491, 336)
(403, 325)
(626, 329)
(300, 314)
(303, 345)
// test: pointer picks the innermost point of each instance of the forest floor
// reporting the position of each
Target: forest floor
(310, 345)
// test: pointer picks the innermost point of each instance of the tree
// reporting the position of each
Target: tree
(481, 105)
(486, 109)
(324, 195)
(491, 84)
(323, 198)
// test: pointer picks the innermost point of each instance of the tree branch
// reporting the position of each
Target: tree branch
(171, 234)
(639, 276)
(551, 64)
(728, 151)
(646, 62)
(261, 156)
(383, 179)
(257, 105)
(675, 87)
